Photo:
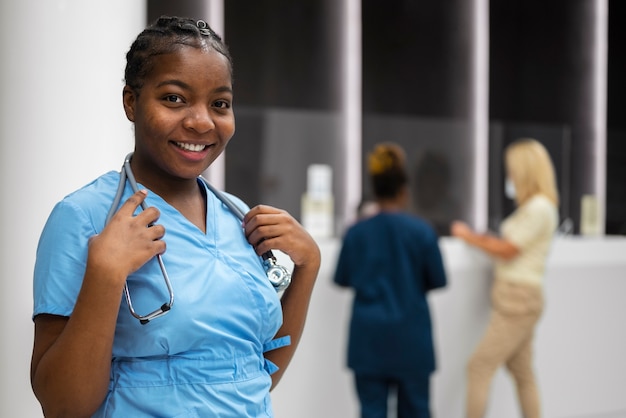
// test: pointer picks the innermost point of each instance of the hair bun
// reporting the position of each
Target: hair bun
(384, 158)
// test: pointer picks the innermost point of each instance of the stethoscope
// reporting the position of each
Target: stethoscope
(278, 275)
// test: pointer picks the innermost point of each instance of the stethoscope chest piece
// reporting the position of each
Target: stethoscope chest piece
(277, 274)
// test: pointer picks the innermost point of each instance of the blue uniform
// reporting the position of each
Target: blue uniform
(391, 260)
(205, 356)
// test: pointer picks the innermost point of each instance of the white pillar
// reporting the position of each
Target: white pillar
(351, 77)
(479, 112)
(216, 173)
(599, 105)
(61, 125)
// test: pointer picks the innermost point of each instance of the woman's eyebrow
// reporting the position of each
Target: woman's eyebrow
(183, 85)
(224, 89)
(174, 82)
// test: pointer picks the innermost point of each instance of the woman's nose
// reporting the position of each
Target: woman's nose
(199, 119)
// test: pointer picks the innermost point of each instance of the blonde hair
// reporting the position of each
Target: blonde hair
(529, 166)
(386, 166)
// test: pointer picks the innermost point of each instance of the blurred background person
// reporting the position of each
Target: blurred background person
(391, 259)
(519, 263)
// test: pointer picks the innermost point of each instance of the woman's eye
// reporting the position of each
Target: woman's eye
(222, 104)
(172, 98)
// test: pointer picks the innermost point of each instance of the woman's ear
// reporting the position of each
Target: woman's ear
(129, 98)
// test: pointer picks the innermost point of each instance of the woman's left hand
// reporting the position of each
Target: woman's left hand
(268, 228)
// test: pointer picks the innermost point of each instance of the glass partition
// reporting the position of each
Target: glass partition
(287, 71)
(417, 84)
(416, 90)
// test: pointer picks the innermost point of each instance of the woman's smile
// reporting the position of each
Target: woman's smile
(190, 147)
(191, 152)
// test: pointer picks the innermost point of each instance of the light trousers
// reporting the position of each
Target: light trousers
(507, 341)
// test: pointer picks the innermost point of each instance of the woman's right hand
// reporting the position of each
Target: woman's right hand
(71, 360)
(127, 242)
(460, 229)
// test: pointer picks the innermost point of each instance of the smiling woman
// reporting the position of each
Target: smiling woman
(229, 338)
(183, 118)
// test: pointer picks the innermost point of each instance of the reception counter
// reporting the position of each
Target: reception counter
(580, 342)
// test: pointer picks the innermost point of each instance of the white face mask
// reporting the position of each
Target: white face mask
(509, 189)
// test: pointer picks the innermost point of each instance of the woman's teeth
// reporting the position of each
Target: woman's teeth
(190, 147)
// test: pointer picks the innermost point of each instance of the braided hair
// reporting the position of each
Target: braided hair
(166, 35)
(386, 166)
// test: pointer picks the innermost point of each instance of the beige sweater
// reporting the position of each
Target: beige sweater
(530, 228)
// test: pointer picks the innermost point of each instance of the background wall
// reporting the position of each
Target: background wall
(61, 125)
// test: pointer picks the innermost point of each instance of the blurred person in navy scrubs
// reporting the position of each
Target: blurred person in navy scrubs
(391, 260)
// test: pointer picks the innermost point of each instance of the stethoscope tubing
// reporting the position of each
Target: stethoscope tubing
(127, 174)
(278, 275)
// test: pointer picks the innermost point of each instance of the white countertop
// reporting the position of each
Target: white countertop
(579, 346)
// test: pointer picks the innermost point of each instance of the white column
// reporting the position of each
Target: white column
(599, 105)
(479, 112)
(351, 109)
(61, 125)
(216, 173)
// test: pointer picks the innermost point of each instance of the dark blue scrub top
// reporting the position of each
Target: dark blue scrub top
(391, 260)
